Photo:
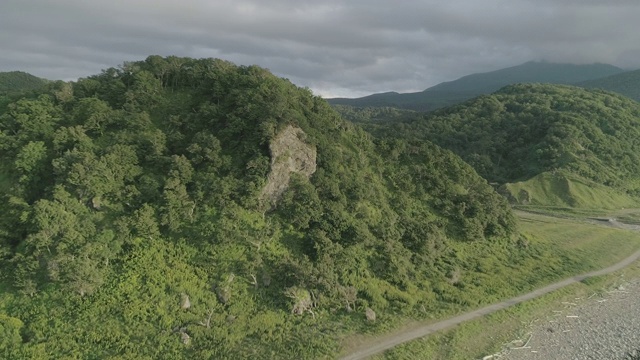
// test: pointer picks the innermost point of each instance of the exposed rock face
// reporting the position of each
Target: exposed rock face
(223, 294)
(370, 314)
(289, 154)
(186, 339)
(185, 303)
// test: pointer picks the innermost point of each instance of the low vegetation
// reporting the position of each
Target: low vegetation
(597, 246)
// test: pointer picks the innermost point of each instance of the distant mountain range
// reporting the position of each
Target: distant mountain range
(470, 86)
(548, 144)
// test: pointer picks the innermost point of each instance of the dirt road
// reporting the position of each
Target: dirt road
(379, 345)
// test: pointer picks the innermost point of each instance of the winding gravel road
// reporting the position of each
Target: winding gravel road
(379, 345)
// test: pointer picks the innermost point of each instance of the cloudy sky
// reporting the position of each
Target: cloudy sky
(335, 47)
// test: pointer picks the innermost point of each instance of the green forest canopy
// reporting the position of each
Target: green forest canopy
(134, 224)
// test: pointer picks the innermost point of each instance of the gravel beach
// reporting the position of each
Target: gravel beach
(603, 326)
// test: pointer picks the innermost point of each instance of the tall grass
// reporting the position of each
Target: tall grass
(574, 247)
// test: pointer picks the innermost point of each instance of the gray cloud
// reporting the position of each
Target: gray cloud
(334, 47)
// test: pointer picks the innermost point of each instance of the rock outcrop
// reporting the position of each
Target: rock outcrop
(289, 154)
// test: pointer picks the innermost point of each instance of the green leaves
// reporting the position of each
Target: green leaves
(301, 204)
(91, 176)
(31, 163)
(10, 339)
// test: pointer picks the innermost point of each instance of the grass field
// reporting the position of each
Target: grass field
(561, 189)
(593, 245)
(584, 245)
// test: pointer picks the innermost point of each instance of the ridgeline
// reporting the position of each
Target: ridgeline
(467, 87)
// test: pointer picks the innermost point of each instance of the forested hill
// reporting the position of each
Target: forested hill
(467, 87)
(525, 130)
(15, 81)
(182, 208)
(626, 83)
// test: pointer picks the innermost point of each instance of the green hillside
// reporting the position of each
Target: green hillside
(181, 208)
(627, 84)
(470, 86)
(566, 190)
(523, 131)
(19, 81)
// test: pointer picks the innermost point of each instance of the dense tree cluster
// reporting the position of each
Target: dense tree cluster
(124, 192)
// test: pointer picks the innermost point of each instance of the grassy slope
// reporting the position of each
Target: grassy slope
(564, 189)
(585, 245)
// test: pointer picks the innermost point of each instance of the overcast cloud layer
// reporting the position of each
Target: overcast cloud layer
(337, 48)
